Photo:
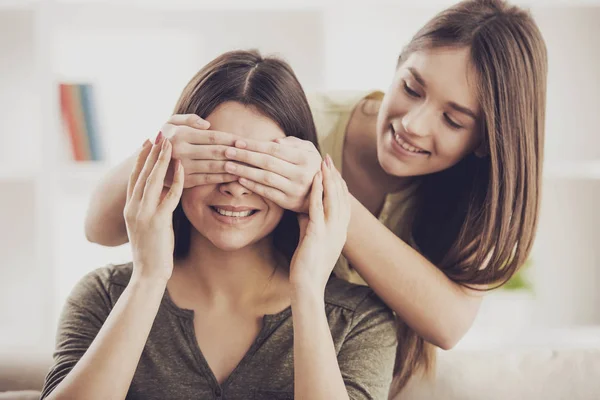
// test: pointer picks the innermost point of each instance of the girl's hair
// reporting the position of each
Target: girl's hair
(269, 86)
(476, 221)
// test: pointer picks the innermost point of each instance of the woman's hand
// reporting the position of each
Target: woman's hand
(149, 211)
(281, 171)
(322, 231)
(202, 152)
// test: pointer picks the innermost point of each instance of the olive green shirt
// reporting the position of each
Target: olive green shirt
(172, 365)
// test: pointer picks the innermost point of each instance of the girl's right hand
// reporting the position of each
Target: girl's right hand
(202, 152)
(149, 210)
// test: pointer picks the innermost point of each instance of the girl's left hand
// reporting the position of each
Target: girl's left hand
(281, 171)
(322, 232)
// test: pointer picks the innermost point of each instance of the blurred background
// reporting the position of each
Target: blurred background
(129, 61)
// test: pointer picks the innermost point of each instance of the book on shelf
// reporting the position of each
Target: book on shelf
(78, 111)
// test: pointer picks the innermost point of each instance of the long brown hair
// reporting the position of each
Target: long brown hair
(267, 84)
(476, 221)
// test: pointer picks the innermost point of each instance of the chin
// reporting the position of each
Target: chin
(392, 166)
(230, 242)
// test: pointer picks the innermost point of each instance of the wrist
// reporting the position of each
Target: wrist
(147, 281)
(307, 293)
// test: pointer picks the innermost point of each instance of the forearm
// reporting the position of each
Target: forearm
(106, 369)
(435, 307)
(316, 371)
(104, 222)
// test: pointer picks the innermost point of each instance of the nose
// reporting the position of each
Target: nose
(418, 121)
(233, 189)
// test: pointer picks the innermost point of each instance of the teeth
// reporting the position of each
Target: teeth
(233, 213)
(407, 146)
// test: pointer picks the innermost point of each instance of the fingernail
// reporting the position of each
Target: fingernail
(329, 161)
(202, 123)
(146, 143)
(230, 152)
(240, 144)
(158, 137)
(165, 144)
(177, 165)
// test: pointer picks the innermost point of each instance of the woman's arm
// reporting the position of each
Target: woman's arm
(435, 307)
(316, 371)
(106, 369)
(104, 222)
(317, 374)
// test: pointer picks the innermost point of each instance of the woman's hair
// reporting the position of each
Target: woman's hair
(476, 221)
(269, 86)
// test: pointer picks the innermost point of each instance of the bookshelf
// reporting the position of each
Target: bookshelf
(139, 55)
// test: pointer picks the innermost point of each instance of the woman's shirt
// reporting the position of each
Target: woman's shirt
(331, 112)
(172, 365)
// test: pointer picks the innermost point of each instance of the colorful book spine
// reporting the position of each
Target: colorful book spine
(91, 123)
(80, 121)
(70, 122)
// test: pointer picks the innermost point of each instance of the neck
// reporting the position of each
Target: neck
(231, 278)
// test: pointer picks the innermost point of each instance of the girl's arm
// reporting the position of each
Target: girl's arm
(435, 307)
(106, 369)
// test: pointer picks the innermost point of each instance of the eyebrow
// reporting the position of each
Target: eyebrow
(462, 109)
(417, 76)
(453, 105)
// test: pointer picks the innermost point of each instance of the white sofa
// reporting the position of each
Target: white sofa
(518, 374)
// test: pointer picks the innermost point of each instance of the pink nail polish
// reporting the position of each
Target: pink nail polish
(158, 137)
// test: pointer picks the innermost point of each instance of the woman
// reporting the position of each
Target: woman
(444, 171)
(228, 294)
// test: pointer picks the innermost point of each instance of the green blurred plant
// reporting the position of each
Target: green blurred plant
(519, 280)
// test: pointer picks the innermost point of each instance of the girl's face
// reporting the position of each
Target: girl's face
(229, 215)
(428, 118)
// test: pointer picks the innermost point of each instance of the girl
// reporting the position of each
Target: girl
(444, 170)
(228, 294)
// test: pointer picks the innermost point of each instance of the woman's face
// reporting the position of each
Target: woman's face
(229, 215)
(428, 118)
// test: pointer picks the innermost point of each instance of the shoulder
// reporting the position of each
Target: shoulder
(106, 283)
(356, 298)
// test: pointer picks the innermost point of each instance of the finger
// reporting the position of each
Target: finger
(137, 169)
(192, 180)
(268, 192)
(315, 209)
(156, 179)
(192, 120)
(200, 136)
(331, 194)
(204, 166)
(281, 151)
(138, 190)
(261, 176)
(264, 161)
(201, 152)
(170, 201)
